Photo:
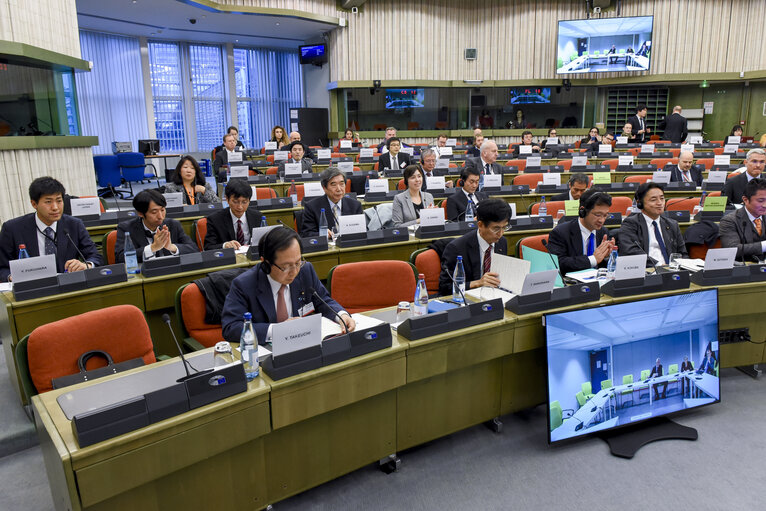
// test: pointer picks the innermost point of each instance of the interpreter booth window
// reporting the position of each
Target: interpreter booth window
(37, 100)
(406, 108)
(527, 107)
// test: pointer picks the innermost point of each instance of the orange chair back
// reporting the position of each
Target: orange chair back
(731, 175)
(706, 162)
(521, 164)
(528, 179)
(638, 179)
(682, 204)
(567, 164)
(429, 264)
(700, 251)
(193, 314)
(337, 155)
(111, 243)
(714, 194)
(299, 188)
(620, 204)
(270, 158)
(272, 171)
(719, 142)
(200, 230)
(718, 150)
(534, 242)
(400, 185)
(676, 152)
(392, 282)
(635, 151)
(612, 164)
(658, 141)
(661, 162)
(263, 192)
(552, 207)
(53, 349)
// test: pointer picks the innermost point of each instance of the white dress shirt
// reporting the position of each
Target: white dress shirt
(483, 245)
(484, 166)
(585, 233)
(654, 247)
(41, 237)
(148, 254)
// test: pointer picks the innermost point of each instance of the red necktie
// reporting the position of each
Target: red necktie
(240, 234)
(488, 259)
(281, 305)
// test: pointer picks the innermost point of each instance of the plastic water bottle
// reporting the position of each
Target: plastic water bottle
(469, 216)
(23, 254)
(611, 265)
(543, 209)
(699, 207)
(322, 223)
(420, 304)
(634, 207)
(366, 186)
(458, 284)
(294, 193)
(248, 349)
(131, 260)
(264, 223)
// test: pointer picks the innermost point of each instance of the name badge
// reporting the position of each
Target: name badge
(534, 161)
(346, 144)
(238, 171)
(352, 224)
(270, 146)
(432, 216)
(604, 148)
(280, 155)
(306, 310)
(493, 180)
(312, 189)
(625, 160)
(174, 200)
(435, 182)
(378, 185)
(293, 169)
(86, 206)
(525, 149)
(324, 154)
(722, 159)
(579, 161)
(33, 268)
(552, 178)
(235, 157)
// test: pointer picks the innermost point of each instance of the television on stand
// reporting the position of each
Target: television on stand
(149, 146)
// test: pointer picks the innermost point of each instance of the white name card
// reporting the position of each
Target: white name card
(647, 148)
(720, 258)
(445, 151)
(534, 161)
(722, 159)
(451, 142)
(579, 161)
(86, 206)
(442, 163)
(259, 232)
(346, 144)
(661, 176)
(346, 166)
(717, 176)
(552, 140)
(432, 216)
(695, 139)
(33, 268)
(604, 148)
(622, 140)
(270, 146)
(174, 200)
(630, 267)
(312, 189)
(552, 178)
(352, 224)
(296, 334)
(734, 140)
(293, 169)
(408, 150)
(493, 180)
(687, 147)
(280, 155)
(435, 183)
(378, 185)
(238, 171)
(625, 160)
(324, 154)
(539, 282)
(730, 148)
(366, 152)
(235, 157)
(525, 149)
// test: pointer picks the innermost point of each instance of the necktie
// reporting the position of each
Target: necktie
(591, 244)
(240, 234)
(50, 246)
(149, 234)
(394, 163)
(335, 212)
(487, 169)
(687, 178)
(758, 226)
(281, 305)
(660, 242)
(487, 259)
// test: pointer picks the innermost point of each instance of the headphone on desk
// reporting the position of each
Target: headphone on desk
(641, 192)
(589, 199)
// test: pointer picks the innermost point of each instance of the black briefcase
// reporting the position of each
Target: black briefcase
(85, 375)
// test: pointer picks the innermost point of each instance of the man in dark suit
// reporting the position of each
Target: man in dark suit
(675, 126)
(492, 217)
(393, 159)
(152, 234)
(47, 231)
(745, 228)
(734, 188)
(428, 166)
(638, 122)
(390, 133)
(526, 139)
(458, 202)
(279, 288)
(475, 150)
(685, 171)
(657, 371)
(685, 366)
(231, 228)
(297, 155)
(584, 243)
(578, 183)
(486, 162)
(333, 202)
(650, 233)
(222, 157)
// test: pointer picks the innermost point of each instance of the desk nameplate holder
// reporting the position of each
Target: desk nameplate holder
(735, 275)
(545, 169)
(66, 282)
(362, 239)
(681, 185)
(590, 168)
(188, 262)
(442, 194)
(559, 297)
(448, 229)
(380, 196)
(451, 319)
(525, 223)
(712, 187)
(711, 216)
(275, 203)
(204, 209)
(678, 216)
(310, 244)
(616, 187)
(655, 283)
(260, 179)
(301, 178)
(543, 156)
(392, 173)
(108, 218)
(495, 191)
(546, 189)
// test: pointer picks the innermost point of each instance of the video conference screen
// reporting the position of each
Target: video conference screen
(626, 363)
(405, 98)
(530, 95)
(604, 45)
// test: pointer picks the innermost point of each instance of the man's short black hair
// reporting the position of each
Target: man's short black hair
(278, 238)
(493, 210)
(469, 171)
(393, 139)
(238, 188)
(753, 186)
(579, 177)
(330, 173)
(640, 107)
(592, 198)
(144, 198)
(644, 188)
(45, 186)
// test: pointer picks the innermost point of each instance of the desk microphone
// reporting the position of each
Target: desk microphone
(454, 285)
(545, 244)
(654, 264)
(375, 209)
(523, 202)
(66, 233)
(186, 364)
(675, 201)
(313, 292)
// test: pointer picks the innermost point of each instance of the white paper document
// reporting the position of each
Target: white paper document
(512, 271)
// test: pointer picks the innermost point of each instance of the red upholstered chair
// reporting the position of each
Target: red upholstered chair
(199, 231)
(427, 262)
(635, 151)
(528, 179)
(552, 207)
(520, 164)
(612, 164)
(263, 192)
(272, 171)
(535, 242)
(706, 162)
(676, 152)
(661, 162)
(718, 150)
(369, 285)
(190, 309)
(337, 155)
(682, 204)
(108, 245)
(658, 141)
(567, 164)
(700, 251)
(270, 158)
(638, 179)
(620, 204)
(53, 349)
(400, 185)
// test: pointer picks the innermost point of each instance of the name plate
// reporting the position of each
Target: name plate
(695, 139)
(605, 148)
(346, 166)
(238, 171)
(625, 160)
(352, 224)
(736, 140)
(435, 182)
(235, 157)
(431, 216)
(259, 232)
(346, 144)
(270, 146)
(571, 207)
(296, 334)
(630, 267)
(579, 161)
(513, 210)
(647, 148)
(324, 154)
(492, 180)
(312, 189)
(552, 178)
(687, 147)
(552, 141)
(539, 282)
(33, 268)
(719, 258)
(525, 149)
(86, 206)
(722, 159)
(444, 151)
(451, 142)
(534, 161)
(715, 204)
(717, 176)
(366, 152)
(442, 163)
(661, 176)
(174, 200)
(293, 169)
(408, 150)
(730, 148)
(280, 155)
(379, 185)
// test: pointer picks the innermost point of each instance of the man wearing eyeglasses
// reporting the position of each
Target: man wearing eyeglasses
(492, 217)
(231, 228)
(279, 289)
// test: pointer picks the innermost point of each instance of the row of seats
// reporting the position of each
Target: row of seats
(114, 169)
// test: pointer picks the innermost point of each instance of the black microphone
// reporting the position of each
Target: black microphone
(186, 364)
(675, 201)
(648, 257)
(545, 244)
(462, 294)
(523, 202)
(66, 233)
(114, 194)
(340, 320)
(380, 221)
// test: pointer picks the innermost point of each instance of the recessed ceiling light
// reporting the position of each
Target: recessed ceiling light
(236, 40)
(277, 24)
(152, 33)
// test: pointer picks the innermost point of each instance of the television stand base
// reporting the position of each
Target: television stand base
(625, 442)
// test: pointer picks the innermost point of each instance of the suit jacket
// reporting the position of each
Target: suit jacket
(735, 188)
(565, 242)
(138, 236)
(656, 371)
(306, 164)
(476, 163)
(208, 197)
(675, 128)
(221, 159)
(467, 246)
(686, 366)
(561, 196)
(251, 292)
(220, 227)
(473, 151)
(458, 202)
(384, 161)
(634, 237)
(403, 213)
(312, 212)
(23, 231)
(696, 173)
(633, 120)
(736, 230)
(707, 367)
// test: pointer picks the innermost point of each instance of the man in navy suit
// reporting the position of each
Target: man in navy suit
(334, 203)
(231, 228)
(279, 288)
(47, 231)
(734, 189)
(492, 217)
(584, 243)
(458, 202)
(685, 171)
(638, 121)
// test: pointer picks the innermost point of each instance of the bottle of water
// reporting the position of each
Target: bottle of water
(458, 284)
(294, 193)
(543, 209)
(264, 223)
(366, 186)
(23, 254)
(249, 349)
(611, 265)
(131, 260)
(698, 208)
(634, 207)
(322, 223)
(420, 304)
(469, 216)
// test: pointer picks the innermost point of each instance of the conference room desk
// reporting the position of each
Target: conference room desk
(19, 318)
(603, 401)
(707, 383)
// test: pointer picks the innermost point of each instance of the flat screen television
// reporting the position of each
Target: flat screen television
(149, 146)
(313, 54)
(405, 98)
(604, 45)
(600, 362)
(530, 95)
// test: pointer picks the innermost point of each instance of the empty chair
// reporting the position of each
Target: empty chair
(190, 309)
(606, 384)
(612, 163)
(133, 169)
(427, 262)
(263, 192)
(199, 231)
(626, 380)
(520, 164)
(682, 204)
(108, 175)
(641, 387)
(587, 389)
(536, 243)
(386, 283)
(638, 179)
(531, 180)
(108, 247)
(661, 162)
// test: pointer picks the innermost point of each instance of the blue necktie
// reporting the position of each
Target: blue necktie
(591, 244)
(50, 246)
(658, 235)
